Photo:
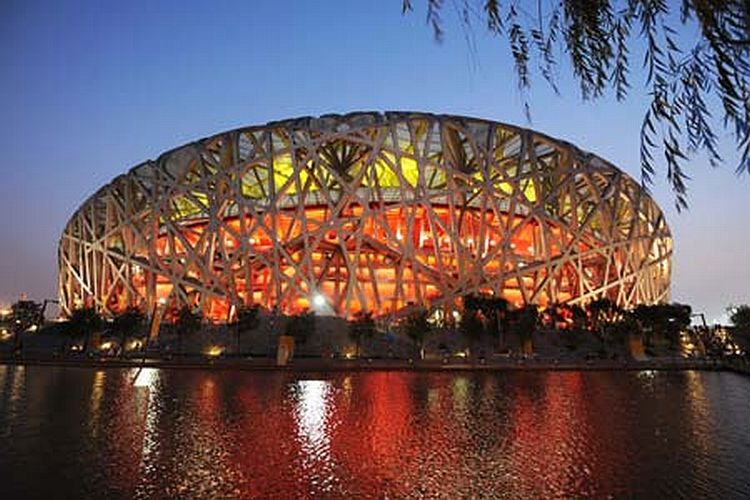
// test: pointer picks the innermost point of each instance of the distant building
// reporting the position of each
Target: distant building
(366, 211)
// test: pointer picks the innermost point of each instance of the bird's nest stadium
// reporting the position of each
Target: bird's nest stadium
(379, 212)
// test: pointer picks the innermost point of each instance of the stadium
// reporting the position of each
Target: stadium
(378, 212)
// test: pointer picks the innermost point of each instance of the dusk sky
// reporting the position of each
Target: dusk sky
(90, 89)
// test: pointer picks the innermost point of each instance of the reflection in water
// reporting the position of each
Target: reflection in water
(145, 383)
(17, 382)
(4, 369)
(197, 434)
(97, 390)
(699, 411)
(311, 417)
(460, 391)
(145, 377)
(13, 383)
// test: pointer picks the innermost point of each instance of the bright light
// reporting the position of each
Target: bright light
(348, 351)
(146, 377)
(32, 328)
(162, 301)
(214, 350)
(319, 300)
(105, 346)
(312, 420)
(5, 312)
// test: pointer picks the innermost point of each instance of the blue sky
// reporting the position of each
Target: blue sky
(89, 89)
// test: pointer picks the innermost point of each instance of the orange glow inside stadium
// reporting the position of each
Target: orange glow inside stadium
(376, 269)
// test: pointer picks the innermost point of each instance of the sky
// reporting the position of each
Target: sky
(90, 89)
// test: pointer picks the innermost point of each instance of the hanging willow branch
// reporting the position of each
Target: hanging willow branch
(598, 37)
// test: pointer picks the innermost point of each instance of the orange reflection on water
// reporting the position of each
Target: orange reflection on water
(193, 433)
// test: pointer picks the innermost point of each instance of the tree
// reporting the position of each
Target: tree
(83, 323)
(128, 324)
(484, 314)
(711, 341)
(247, 319)
(523, 323)
(25, 315)
(495, 310)
(577, 325)
(567, 320)
(362, 326)
(471, 326)
(602, 313)
(617, 331)
(663, 321)
(187, 322)
(416, 327)
(551, 317)
(684, 77)
(739, 316)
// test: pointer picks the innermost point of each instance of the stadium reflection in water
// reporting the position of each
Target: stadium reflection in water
(160, 433)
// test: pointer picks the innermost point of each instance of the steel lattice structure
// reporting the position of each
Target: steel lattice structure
(371, 211)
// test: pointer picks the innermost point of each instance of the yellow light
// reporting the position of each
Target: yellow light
(5, 312)
(349, 351)
(105, 346)
(410, 170)
(214, 350)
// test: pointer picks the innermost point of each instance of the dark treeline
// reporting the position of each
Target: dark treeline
(482, 326)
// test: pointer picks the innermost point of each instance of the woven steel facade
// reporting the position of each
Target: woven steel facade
(366, 211)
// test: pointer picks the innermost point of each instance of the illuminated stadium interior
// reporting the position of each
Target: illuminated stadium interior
(374, 212)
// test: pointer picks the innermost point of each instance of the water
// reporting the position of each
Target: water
(85, 433)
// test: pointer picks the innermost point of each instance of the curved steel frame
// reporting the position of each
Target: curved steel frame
(366, 211)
